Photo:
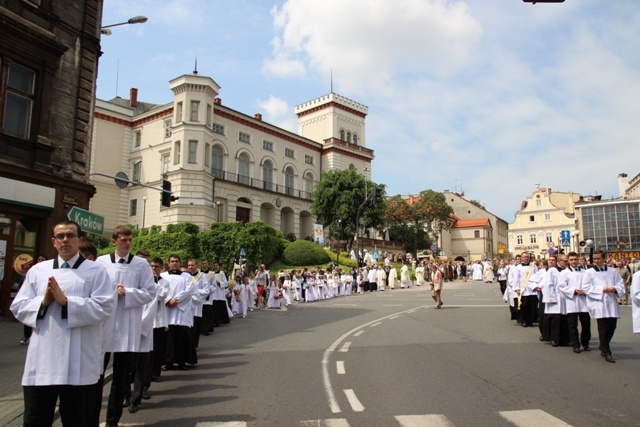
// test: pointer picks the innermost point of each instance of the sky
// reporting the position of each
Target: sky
(489, 98)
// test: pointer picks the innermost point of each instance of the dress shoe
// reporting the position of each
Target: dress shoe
(609, 358)
(126, 402)
(168, 367)
(576, 350)
(587, 348)
(146, 395)
(554, 343)
(133, 409)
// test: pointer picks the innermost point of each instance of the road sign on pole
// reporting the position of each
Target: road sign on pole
(565, 237)
(89, 222)
(243, 252)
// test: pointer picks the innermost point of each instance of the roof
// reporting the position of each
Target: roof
(471, 223)
(140, 108)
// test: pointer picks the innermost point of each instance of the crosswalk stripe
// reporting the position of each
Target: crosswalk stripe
(532, 418)
(340, 367)
(221, 424)
(429, 420)
(393, 317)
(353, 400)
(345, 347)
(331, 422)
(357, 334)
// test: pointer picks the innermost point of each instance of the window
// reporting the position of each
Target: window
(137, 138)
(133, 207)
(193, 151)
(308, 159)
(532, 238)
(178, 112)
(207, 154)
(164, 163)
(267, 145)
(243, 169)
(538, 202)
(548, 236)
(355, 138)
(135, 172)
(476, 234)
(288, 152)
(308, 183)
(519, 239)
(219, 129)
(349, 137)
(216, 161)
(547, 217)
(532, 218)
(167, 129)
(244, 137)
(195, 106)
(19, 102)
(342, 134)
(267, 175)
(288, 181)
(209, 114)
(176, 153)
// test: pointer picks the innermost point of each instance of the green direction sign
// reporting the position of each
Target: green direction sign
(89, 222)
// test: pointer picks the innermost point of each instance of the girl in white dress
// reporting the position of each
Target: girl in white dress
(275, 294)
(310, 293)
(348, 283)
(286, 289)
(240, 296)
(252, 290)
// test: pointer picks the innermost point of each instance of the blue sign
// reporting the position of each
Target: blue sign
(243, 252)
(551, 251)
(565, 236)
(434, 247)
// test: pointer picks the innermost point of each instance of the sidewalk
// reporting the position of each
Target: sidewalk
(11, 367)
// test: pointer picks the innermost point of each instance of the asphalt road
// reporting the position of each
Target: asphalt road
(390, 359)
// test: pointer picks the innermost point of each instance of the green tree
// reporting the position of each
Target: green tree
(478, 204)
(341, 195)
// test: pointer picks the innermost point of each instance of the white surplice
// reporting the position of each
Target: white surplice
(602, 304)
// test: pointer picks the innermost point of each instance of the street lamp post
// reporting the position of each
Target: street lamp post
(339, 242)
(144, 209)
(135, 20)
(359, 231)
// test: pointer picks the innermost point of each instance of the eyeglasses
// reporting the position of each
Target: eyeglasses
(60, 237)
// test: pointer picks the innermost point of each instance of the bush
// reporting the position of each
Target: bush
(164, 244)
(344, 258)
(186, 227)
(302, 252)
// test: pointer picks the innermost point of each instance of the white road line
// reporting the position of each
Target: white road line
(411, 311)
(375, 324)
(340, 367)
(215, 424)
(429, 420)
(360, 332)
(124, 424)
(345, 347)
(353, 401)
(330, 422)
(532, 418)
(393, 317)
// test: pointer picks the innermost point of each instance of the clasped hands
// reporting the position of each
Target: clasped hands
(54, 293)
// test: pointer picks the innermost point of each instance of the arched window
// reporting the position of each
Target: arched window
(267, 175)
(342, 134)
(308, 184)
(355, 138)
(288, 181)
(348, 136)
(216, 161)
(243, 169)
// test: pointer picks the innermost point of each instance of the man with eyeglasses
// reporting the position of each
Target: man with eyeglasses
(603, 286)
(576, 304)
(65, 300)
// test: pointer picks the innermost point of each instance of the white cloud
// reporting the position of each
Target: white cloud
(278, 113)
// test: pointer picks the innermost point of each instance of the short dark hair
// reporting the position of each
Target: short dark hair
(157, 260)
(121, 230)
(572, 254)
(88, 249)
(173, 256)
(79, 231)
(600, 252)
(143, 253)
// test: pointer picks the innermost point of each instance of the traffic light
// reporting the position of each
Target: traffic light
(377, 193)
(166, 196)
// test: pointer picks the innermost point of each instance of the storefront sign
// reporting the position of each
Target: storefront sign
(623, 255)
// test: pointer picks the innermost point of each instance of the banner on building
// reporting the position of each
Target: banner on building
(318, 233)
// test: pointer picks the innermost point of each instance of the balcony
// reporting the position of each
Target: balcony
(257, 183)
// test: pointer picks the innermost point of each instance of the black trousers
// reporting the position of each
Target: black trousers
(544, 323)
(40, 405)
(503, 286)
(159, 350)
(140, 367)
(585, 329)
(195, 331)
(606, 328)
(119, 385)
(515, 311)
(179, 346)
(528, 313)
(206, 327)
(558, 325)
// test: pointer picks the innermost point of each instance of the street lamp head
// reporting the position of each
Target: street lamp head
(135, 20)
(138, 20)
(106, 32)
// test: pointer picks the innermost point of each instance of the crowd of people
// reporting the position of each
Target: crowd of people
(146, 316)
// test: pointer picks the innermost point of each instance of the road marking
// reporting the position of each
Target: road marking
(375, 324)
(353, 401)
(345, 347)
(532, 418)
(214, 424)
(331, 422)
(340, 367)
(360, 332)
(429, 420)
(393, 317)
(411, 311)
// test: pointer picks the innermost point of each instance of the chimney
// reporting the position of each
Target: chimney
(623, 184)
(133, 97)
(217, 101)
(258, 116)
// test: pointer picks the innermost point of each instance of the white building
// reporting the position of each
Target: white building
(540, 220)
(223, 165)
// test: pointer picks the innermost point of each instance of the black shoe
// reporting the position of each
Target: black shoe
(541, 338)
(576, 350)
(587, 348)
(609, 358)
(168, 367)
(154, 378)
(554, 343)
(133, 409)
(126, 402)
(524, 325)
(146, 395)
